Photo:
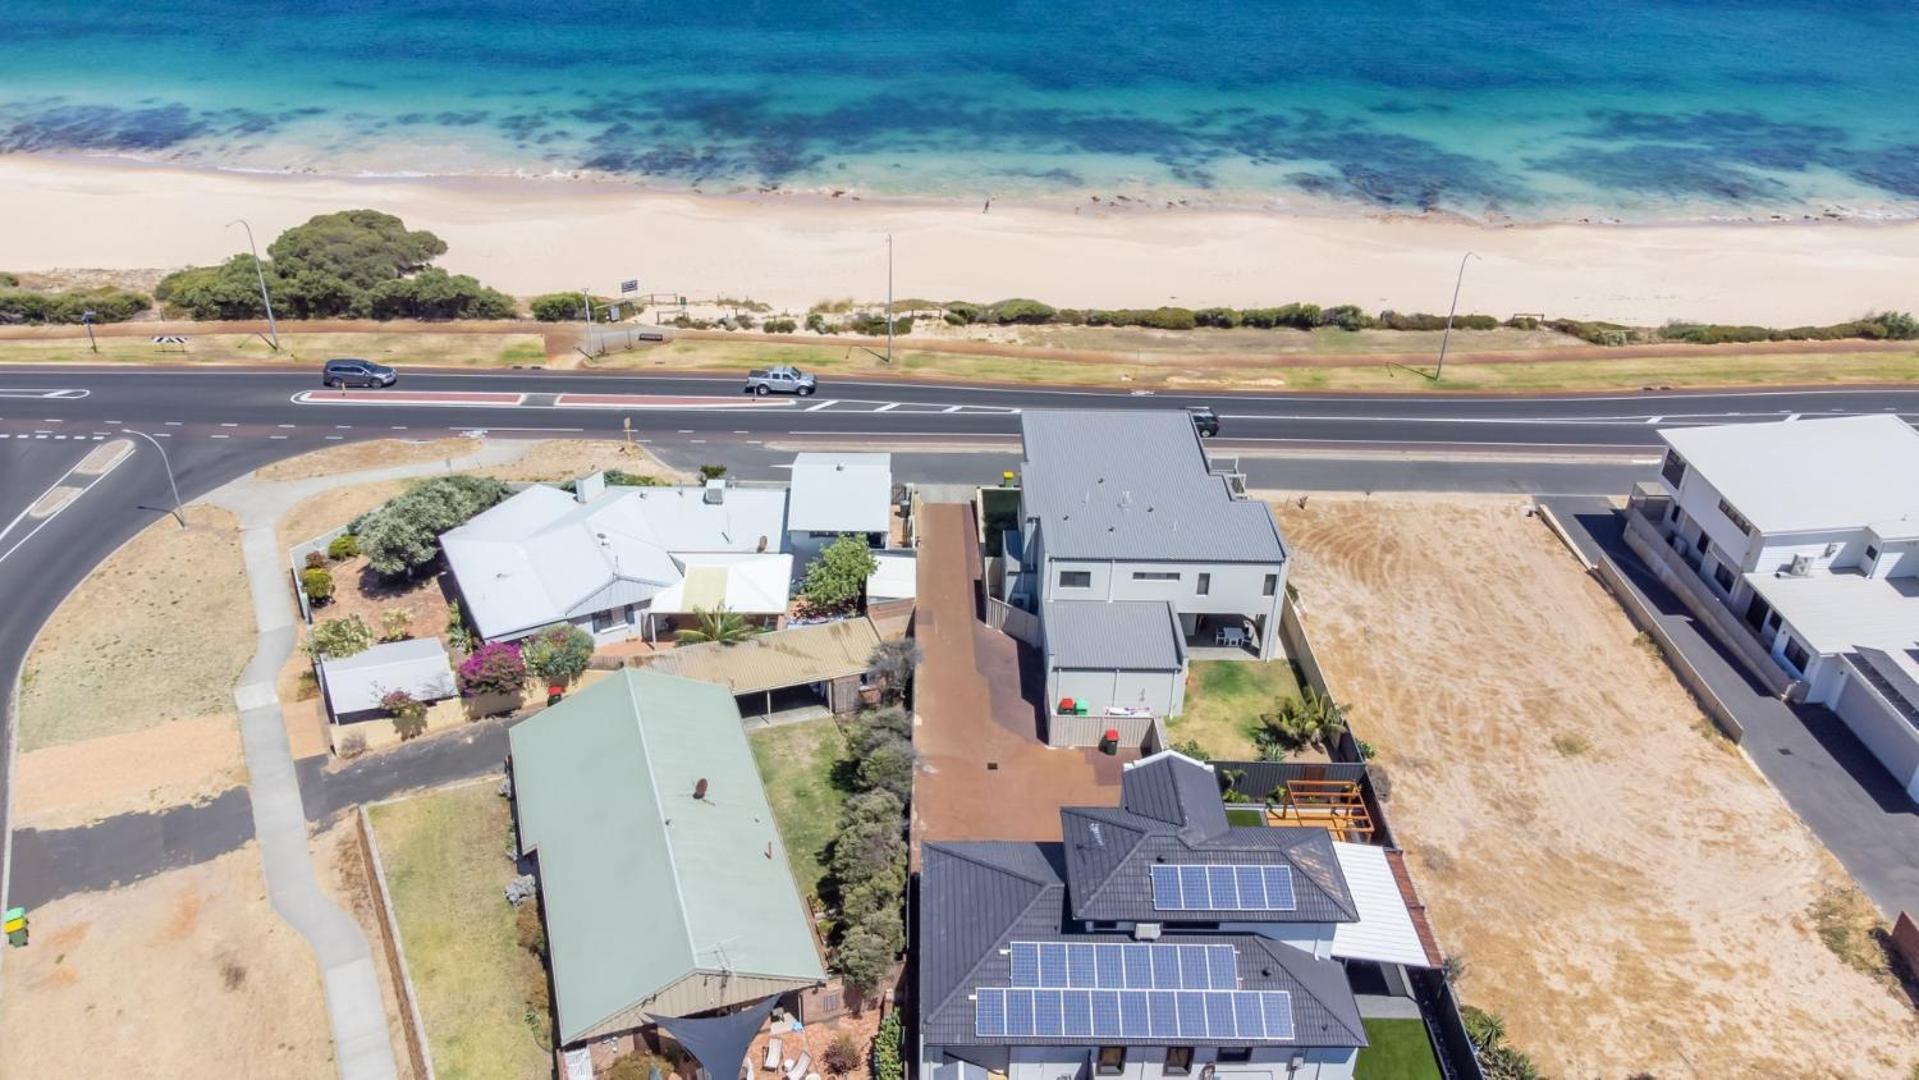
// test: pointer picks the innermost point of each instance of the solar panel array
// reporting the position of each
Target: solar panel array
(1223, 888)
(1057, 965)
(1195, 1015)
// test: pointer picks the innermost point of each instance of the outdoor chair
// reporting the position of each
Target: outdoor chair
(798, 1071)
(772, 1054)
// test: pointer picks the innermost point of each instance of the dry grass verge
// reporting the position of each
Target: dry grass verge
(1641, 904)
(374, 454)
(190, 973)
(158, 632)
(140, 771)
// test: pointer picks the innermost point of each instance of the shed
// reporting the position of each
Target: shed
(1110, 661)
(355, 684)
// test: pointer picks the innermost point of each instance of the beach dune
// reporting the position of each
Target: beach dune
(532, 236)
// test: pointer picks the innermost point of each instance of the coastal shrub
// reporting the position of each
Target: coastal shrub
(888, 1043)
(1167, 318)
(1713, 334)
(841, 1056)
(1019, 311)
(403, 535)
(863, 957)
(836, 578)
(557, 654)
(1595, 333)
(622, 478)
(8, 281)
(816, 322)
(1393, 320)
(1346, 317)
(962, 312)
(1523, 322)
(779, 326)
(358, 263)
(494, 668)
(1293, 316)
(336, 639)
(317, 582)
(888, 766)
(559, 306)
(343, 546)
(1224, 318)
(315, 559)
(396, 624)
(409, 715)
(107, 304)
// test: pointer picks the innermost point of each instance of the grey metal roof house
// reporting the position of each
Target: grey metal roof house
(1014, 967)
(355, 684)
(1133, 546)
(665, 885)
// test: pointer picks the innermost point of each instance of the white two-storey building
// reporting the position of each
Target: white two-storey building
(1808, 532)
(1133, 549)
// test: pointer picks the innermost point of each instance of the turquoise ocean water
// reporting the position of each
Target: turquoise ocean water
(1518, 108)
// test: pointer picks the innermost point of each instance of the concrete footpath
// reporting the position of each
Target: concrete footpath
(361, 1048)
(1828, 777)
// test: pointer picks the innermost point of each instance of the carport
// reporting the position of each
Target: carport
(825, 663)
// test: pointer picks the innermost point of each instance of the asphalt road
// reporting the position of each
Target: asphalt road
(220, 423)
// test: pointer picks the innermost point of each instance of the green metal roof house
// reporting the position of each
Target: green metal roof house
(667, 891)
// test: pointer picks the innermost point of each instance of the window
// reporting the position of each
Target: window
(1699, 545)
(1271, 585)
(1796, 655)
(1205, 585)
(602, 621)
(1872, 556)
(1075, 579)
(1723, 575)
(1155, 575)
(1179, 1060)
(1678, 518)
(1733, 516)
(1674, 469)
(1229, 1055)
(1112, 1060)
(1772, 621)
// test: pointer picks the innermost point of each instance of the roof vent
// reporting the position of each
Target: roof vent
(699, 789)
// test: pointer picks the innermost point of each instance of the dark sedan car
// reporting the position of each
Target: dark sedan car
(351, 372)
(1205, 420)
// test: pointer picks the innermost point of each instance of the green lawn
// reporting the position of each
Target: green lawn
(1399, 1051)
(796, 764)
(1223, 698)
(445, 859)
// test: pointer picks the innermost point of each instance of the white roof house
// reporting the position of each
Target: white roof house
(1810, 475)
(355, 684)
(544, 556)
(841, 493)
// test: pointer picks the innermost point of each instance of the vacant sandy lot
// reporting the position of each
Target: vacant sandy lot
(159, 631)
(186, 974)
(1625, 890)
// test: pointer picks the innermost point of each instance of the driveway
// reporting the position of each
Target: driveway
(984, 773)
(1826, 774)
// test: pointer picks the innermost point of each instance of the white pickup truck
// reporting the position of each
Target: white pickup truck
(779, 380)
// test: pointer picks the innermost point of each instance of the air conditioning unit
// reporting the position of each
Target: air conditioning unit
(1800, 566)
(1146, 931)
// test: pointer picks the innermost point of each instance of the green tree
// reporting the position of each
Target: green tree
(336, 639)
(876, 726)
(717, 626)
(403, 535)
(1311, 719)
(557, 654)
(894, 662)
(359, 247)
(836, 578)
(863, 958)
(888, 766)
(227, 291)
(560, 307)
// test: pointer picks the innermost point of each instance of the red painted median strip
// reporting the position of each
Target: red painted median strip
(415, 397)
(661, 401)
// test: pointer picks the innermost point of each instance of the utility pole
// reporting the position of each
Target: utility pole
(86, 320)
(168, 462)
(273, 328)
(1448, 335)
(889, 298)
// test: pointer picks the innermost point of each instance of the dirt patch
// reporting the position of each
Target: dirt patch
(1639, 904)
(377, 454)
(558, 460)
(182, 761)
(189, 973)
(330, 510)
(158, 632)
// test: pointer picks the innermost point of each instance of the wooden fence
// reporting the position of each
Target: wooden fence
(411, 1025)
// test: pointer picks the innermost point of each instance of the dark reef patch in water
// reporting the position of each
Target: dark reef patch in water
(1662, 169)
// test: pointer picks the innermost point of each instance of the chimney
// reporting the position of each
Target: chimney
(589, 487)
(715, 491)
(699, 789)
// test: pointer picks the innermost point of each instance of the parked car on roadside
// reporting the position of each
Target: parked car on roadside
(779, 380)
(1205, 420)
(348, 371)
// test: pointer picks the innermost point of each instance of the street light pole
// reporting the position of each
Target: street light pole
(1448, 335)
(168, 462)
(273, 328)
(86, 320)
(889, 298)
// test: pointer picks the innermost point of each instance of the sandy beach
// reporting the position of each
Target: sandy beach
(531, 236)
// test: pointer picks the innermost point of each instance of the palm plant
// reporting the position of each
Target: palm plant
(1311, 719)
(716, 625)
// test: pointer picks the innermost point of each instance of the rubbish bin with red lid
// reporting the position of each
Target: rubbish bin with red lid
(1109, 742)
